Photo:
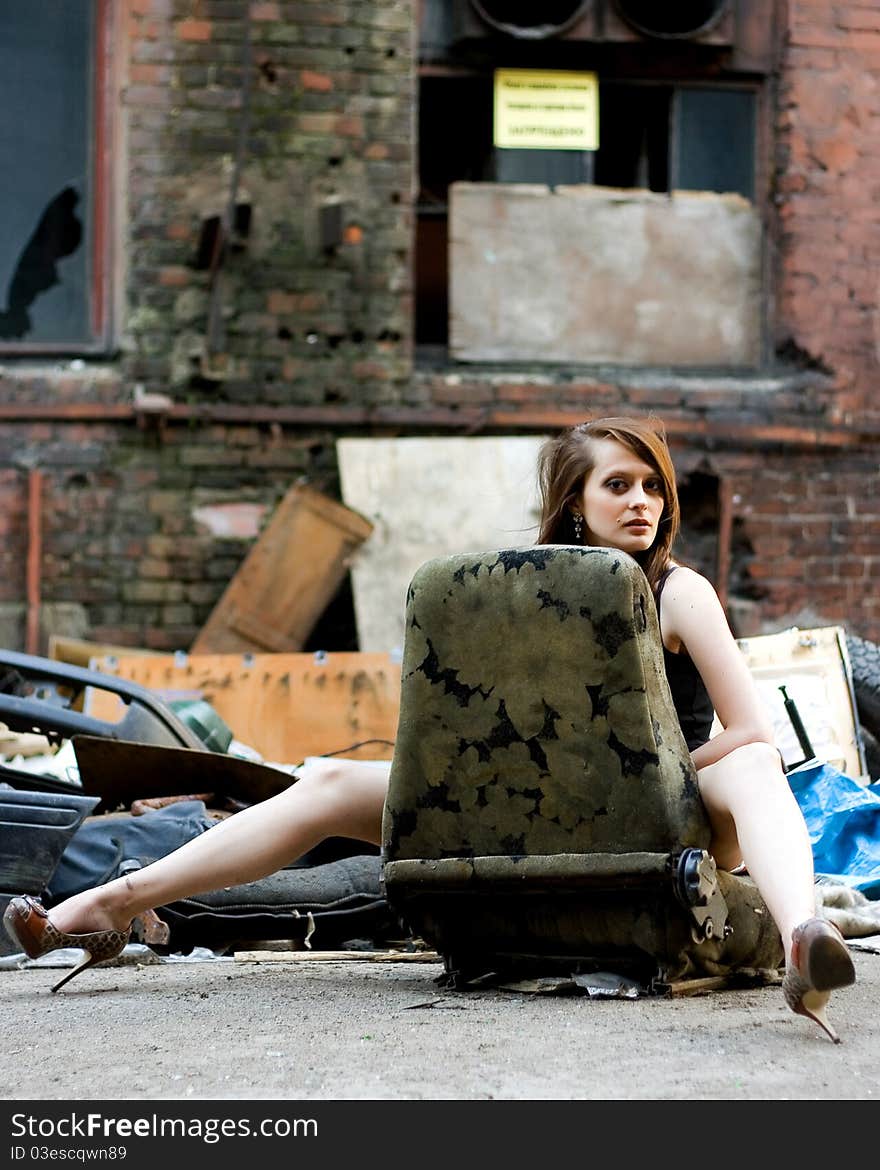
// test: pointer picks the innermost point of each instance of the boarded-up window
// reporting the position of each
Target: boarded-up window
(679, 107)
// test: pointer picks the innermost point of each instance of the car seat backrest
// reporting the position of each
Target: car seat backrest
(535, 714)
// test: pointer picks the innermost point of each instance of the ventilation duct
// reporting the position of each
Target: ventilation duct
(684, 20)
(743, 30)
(528, 20)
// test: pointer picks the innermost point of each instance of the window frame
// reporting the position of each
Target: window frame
(100, 296)
(426, 304)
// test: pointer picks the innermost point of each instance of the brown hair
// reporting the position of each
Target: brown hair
(566, 461)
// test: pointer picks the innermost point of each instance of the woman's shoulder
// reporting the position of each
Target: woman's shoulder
(684, 585)
(692, 619)
(682, 575)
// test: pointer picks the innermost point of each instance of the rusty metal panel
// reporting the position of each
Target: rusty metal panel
(599, 275)
(118, 772)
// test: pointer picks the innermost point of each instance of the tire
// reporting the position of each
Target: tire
(864, 657)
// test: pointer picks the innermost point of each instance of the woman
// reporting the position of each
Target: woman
(607, 483)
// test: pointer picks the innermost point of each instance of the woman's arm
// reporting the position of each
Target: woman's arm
(692, 619)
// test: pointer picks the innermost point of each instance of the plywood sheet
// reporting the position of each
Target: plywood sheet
(284, 706)
(620, 276)
(429, 497)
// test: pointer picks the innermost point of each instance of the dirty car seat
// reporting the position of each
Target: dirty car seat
(543, 809)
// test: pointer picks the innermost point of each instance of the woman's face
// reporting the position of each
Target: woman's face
(621, 500)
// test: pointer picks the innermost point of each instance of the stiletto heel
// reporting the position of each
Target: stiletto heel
(820, 962)
(28, 923)
(87, 960)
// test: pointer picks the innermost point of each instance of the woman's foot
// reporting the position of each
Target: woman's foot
(820, 962)
(28, 923)
(87, 912)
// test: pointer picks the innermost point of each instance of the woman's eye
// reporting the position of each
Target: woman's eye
(616, 485)
(654, 485)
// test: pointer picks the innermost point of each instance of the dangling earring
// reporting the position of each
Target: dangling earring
(578, 521)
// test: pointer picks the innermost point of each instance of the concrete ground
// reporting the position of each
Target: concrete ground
(154, 1030)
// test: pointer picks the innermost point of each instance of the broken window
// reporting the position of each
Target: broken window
(52, 265)
(679, 96)
(676, 138)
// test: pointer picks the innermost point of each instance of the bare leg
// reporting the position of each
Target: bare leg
(756, 819)
(331, 798)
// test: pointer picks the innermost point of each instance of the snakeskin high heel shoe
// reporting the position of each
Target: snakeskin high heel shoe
(28, 923)
(820, 962)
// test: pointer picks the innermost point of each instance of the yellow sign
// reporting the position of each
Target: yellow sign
(537, 110)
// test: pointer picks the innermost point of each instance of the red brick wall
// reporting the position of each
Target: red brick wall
(319, 340)
(329, 108)
(807, 536)
(827, 191)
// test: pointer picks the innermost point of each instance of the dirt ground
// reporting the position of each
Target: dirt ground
(224, 1029)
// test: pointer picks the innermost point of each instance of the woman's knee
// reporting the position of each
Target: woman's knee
(327, 776)
(748, 771)
(756, 759)
(353, 790)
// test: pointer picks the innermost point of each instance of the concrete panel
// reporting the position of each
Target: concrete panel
(594, 274)
(427, 498)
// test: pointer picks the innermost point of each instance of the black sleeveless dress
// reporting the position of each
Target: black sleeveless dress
(689, 695)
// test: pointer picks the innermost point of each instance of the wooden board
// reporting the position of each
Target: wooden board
(79, 652)
(337, 957)
(285, 706)
(288, 578)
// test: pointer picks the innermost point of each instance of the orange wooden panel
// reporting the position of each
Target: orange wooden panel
(286, 706)
(288, 578)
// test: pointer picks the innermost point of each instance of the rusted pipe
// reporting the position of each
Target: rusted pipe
(34, 559)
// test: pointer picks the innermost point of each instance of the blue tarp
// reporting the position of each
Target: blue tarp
(843, 818)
